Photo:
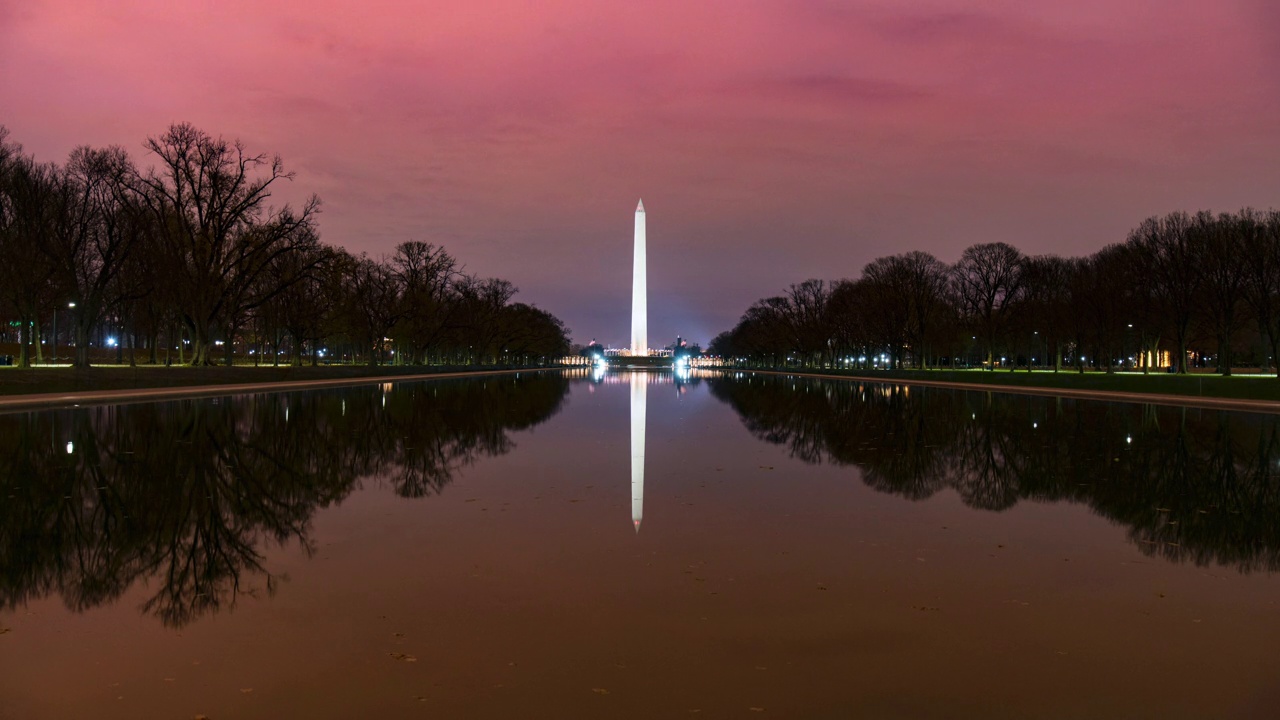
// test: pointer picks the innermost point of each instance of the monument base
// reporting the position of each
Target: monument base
(639, 362)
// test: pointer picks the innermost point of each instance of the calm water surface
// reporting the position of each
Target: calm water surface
(634, 546)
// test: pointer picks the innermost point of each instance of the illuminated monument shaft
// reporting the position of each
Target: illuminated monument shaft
(639, 399)
(639, 290)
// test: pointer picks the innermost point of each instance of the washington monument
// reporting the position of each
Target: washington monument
(639, 291)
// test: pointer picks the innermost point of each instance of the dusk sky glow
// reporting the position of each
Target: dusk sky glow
(771, 141)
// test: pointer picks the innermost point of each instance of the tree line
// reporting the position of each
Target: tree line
(188, 261)
(1180, 290)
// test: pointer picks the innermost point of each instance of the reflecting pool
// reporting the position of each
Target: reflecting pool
(487, 548)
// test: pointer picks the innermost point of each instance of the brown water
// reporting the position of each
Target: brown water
(807, 550)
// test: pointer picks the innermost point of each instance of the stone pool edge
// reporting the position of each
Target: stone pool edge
(1215, 403)
(45, 401)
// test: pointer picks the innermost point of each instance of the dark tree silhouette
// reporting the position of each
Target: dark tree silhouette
(1190, 485)
(186, 496)
(1171, 266)
(988, 283)
(1261, 245)
(209, 199)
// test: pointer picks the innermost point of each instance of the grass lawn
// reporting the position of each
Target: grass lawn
(1246, 387)
(61, 380)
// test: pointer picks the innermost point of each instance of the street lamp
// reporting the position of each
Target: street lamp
(54, 350)
(72, 306)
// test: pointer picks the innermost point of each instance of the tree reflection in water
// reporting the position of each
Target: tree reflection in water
(187, 494)
(1189, 484)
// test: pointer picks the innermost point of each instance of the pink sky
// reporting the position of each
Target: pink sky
(771, 140)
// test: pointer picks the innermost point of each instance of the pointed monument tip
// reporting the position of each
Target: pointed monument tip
(637, 523)
(640, 206)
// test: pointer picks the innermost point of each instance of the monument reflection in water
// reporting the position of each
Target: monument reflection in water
(638, 383)
(639, 398)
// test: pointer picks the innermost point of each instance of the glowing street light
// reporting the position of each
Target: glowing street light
(54, 349)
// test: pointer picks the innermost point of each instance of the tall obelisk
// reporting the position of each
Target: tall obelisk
(639, 291)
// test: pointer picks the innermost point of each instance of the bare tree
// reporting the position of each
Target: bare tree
(98, 225)
(1047, 303)
(884, 308)
(1101, 302)
(28, 192)
(302, 307)
(479, 313)
(1262, 275)
(845, 313)
(374, 305)
(426, 273)
(913, 289)
(806, 315)
(988, 283)
(1171, 267)
(209, 198)
(1221, 243)
(532, 331)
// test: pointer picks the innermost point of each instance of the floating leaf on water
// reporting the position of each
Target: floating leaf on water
(600, 691)
(402, 657)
